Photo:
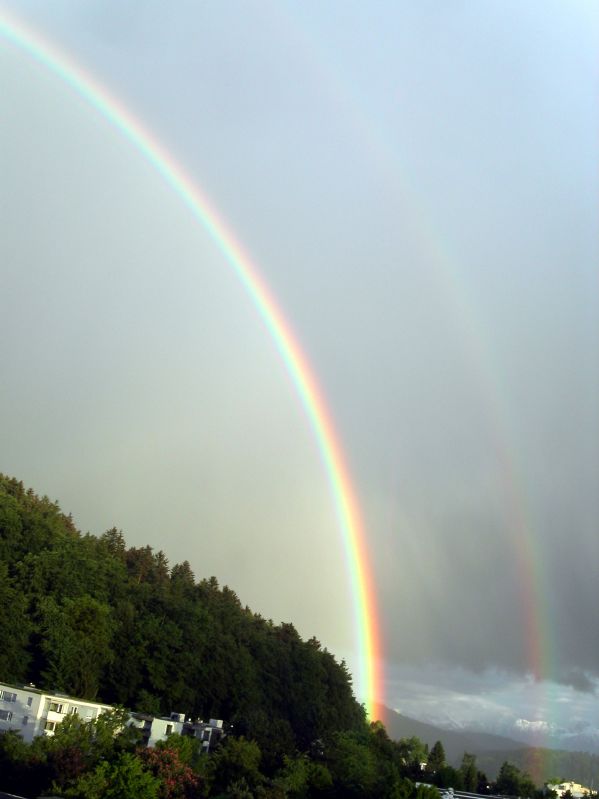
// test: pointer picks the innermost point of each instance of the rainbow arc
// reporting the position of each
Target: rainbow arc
(369, 682)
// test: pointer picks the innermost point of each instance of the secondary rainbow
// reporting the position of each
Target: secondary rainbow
(368, 640)
(538, 638)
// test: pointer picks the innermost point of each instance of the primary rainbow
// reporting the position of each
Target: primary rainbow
(369, 676)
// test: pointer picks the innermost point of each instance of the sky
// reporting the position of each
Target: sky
(417, 184)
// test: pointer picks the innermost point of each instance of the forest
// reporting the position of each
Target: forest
(93, 618)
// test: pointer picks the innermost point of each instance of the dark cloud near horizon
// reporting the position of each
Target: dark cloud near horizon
(426, 212)
(579, 680)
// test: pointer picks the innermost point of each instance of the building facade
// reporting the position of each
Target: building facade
(31, 711)
(158, 728)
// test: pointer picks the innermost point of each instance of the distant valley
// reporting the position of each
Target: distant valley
(492, 750)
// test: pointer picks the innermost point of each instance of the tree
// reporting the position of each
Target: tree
(177, 779)
(301, 778)
(181, 573)
(235, 761)
(448, 777)
(482, 782)
(123, 779)
(76, 643)
(114, 541)
(512, 782)
(90, 617)
(425, 792)
(436, 758)
(19, 770)
(412, 752)
(77, 746)
(361, 766)
(13, 618)
(469, 773)
(11, 525)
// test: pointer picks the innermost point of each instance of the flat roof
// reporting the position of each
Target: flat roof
(33, 689)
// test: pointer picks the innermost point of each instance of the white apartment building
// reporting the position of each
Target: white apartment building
(158, 728)
(30, 711)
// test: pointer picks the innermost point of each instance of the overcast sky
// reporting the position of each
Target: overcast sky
(418, 184)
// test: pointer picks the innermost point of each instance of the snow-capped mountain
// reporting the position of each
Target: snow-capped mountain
(578, 736)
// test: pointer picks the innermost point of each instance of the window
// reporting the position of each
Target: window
(25, 720)
(50, 726)
(8, 696)
(5, 715)
(73, 710)
(55, 707)
(169, 729)
(29, 701)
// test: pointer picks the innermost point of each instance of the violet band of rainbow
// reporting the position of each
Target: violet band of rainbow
(369, 681)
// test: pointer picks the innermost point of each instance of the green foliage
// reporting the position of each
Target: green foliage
(448, 777)
(365, 763)
(353, 766)
(469, 773)
(95, 619)
(92, 618)
(126, 778)
(411, 752)
(18, 770)
(76, 644)
(544, 764)
(14, 657)
(301, 777)
(436, 758)
(76, 749)
(424, 792)
(236, 763)
(512, 782)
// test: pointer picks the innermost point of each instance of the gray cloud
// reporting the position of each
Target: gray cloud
(418, 187)
(579, 680)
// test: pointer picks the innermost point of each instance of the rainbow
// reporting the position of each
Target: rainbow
(369, 678)
(538, 641)
(536, 633)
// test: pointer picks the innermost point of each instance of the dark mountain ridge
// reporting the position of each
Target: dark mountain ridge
(454, 742)
(492, 750)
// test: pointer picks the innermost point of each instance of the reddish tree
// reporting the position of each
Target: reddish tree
(178, 781)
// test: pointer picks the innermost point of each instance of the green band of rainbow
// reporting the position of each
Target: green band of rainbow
(369, 677)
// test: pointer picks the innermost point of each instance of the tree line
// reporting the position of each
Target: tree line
(96, 619)
(104, 759)
(431, 767)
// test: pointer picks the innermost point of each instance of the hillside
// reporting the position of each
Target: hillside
(493, 750)
(97, 619)
(455, 743)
